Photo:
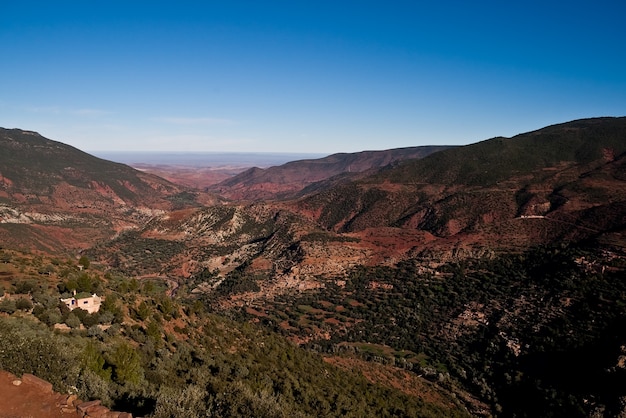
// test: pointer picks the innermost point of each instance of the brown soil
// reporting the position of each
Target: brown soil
(29, 400)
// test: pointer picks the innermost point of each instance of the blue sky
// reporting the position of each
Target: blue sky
(296, 76)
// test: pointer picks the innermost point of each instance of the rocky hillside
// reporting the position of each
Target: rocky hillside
(562, 182)
(35, 169)
(287, 180)
(493, 270)
(54, 196)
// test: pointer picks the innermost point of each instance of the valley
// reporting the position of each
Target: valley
(482, 280)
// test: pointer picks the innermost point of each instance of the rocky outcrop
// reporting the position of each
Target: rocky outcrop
(93, 409)
(30, 396)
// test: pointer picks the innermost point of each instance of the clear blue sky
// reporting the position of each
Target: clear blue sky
(305, 76)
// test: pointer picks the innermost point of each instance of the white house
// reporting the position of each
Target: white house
(90, 303)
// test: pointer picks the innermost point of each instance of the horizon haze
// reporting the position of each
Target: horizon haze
(204, 159)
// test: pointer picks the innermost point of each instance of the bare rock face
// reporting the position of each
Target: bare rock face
(86, 406)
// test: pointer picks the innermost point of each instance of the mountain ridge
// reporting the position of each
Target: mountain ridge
(474, 266)
(46, 185)
(34, 164)
(287, 180)
(463, 165)
(508, 174)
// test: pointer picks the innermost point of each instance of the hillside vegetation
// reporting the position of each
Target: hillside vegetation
(56, 198)
(565, 172)
(534, 334)
(33, 165)
(152, 355)
(486, 163)
(482, 280)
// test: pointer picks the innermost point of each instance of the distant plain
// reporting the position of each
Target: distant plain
(200, 169)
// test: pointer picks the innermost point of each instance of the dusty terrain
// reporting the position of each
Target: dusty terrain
(29, 400)
(30, 397)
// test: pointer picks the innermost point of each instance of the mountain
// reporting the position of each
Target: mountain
(287, 180)
(494, 271)
(563, 182)
(498, 266)
(54, 196)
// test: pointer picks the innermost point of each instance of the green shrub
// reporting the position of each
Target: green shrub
(126, 363)
(84, 261)
(24, 304)
(29, 347)
(73, 321)
(190, 401)
(8, 306)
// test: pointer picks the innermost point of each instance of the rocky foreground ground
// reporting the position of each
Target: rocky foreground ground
(32, 397)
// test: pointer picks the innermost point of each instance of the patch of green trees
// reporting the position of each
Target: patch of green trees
(550, 336)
